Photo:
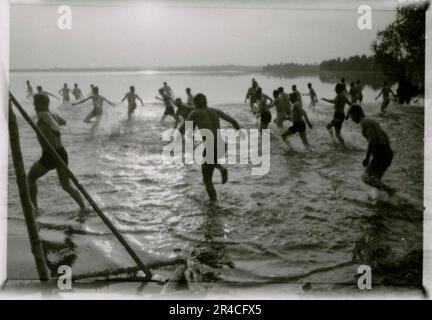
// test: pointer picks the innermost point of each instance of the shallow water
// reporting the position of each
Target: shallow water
(310, 219)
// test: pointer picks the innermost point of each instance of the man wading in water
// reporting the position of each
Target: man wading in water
(49, 123)
(97, 111)
(209, 118)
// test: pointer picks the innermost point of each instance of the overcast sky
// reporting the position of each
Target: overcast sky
(184, 33)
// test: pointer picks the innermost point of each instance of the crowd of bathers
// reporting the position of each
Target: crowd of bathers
(289, 107)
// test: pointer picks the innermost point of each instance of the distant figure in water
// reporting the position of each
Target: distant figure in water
(167, 89)
(359, 88)
(378, 147)
(97, 106)
(41, 91)
(297, 94)
(385, 92)
(251, 95)
(312, 95)
(263, 109)
(339, 115)
(77, 93)
(298, 118)
(353, 92)
(190, 97)
(183, 110)
(344, 86)
(91, 90)
(64, 92)
(286, 103)
(131, 97)
(169, 109)
(209, 118)
(49, 124)
(280, 109)
(29, 90)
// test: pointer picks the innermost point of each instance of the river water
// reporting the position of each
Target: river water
(310, 219)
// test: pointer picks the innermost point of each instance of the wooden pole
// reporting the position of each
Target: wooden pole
(21, 177)
(84, 192)
(115, 272)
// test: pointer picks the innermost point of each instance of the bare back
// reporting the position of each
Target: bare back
(206, 118)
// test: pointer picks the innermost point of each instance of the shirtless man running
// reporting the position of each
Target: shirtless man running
(190, 97)
(298, 117)
(385, 92)
(41, 91)
(49, 124)
(378, 147)
(209, 118)
(131, 97)
(251, 95)
(29, 90)
(312, 95)
(183, 111)
(64, 92)
(97, 106)
(339, 115)
(167, 100)
(77, 93)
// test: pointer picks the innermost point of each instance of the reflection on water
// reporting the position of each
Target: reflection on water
(309, 220)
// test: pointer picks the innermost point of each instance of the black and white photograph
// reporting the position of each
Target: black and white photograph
(215, 149)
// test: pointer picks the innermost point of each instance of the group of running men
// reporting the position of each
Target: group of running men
(288, 107)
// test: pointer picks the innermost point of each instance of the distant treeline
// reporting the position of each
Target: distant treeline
(290, 68)
(354, 63)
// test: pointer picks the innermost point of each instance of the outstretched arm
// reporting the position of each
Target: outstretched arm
(368, 154)
(379, 95)
(107, 101)
(229, 119)
(328, 100)
(176, 116)
(52, 95)
(248, 94)
(142, 103)
(268, 98)
(58, 119)
(124, 98)
(81, 101)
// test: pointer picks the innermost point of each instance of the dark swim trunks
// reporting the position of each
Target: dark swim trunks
(49, 162)
(169, 111)
(215, 152)
(382, 159)
(297, 127)
(266, 117)
(132, 107)
(338, 119)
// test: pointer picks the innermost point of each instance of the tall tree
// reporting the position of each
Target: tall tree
(400, 48)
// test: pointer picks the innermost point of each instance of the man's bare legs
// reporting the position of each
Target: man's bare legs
(304, 139)
(339, 137)
(89, 116)
(337, 130)
(375, 181)
(207, 172)
(223, 171)
(36, 171)
(65, 184)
